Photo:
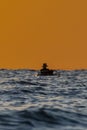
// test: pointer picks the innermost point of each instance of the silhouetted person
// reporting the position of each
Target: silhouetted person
(45, 70)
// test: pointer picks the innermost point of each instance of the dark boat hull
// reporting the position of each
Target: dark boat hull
(47, 73)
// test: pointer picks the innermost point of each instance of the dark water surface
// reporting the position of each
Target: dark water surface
(30, 102)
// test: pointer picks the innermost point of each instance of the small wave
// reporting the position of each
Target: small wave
(52, 117)
(41, 118)
(21, 82)
(25, 83)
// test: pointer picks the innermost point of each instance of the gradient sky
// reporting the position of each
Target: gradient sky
(37, 31)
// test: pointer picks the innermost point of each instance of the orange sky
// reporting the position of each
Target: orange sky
(37, 31)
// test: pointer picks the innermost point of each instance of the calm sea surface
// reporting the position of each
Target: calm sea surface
(31, 102)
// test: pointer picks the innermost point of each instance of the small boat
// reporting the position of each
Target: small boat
(46, 72)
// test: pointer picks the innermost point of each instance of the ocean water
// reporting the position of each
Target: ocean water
(31, 102)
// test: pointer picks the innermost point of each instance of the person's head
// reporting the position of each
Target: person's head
(45, 65)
